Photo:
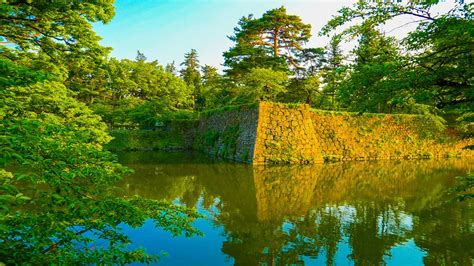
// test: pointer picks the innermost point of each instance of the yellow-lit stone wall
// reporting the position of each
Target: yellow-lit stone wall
(274, 133)
(286, 135)
(297, 134)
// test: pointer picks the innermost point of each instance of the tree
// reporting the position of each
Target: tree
(212, 92)
(436, 70)
(88, 78)
(209, 75)
(139, 87)
(240, 59)
(58, 39)
(57, 184)
(334, 70)
(372, 85)
(57, 193)
(335, 56)
(317, 65)
(311, 61)
(140, 56)
(276, 38)
(144, 80)
(281, 32)
(171, 68)
(192, 77)
(55, 31)
(305, 83)
(306, 90)
(264, 84)
(23, 73)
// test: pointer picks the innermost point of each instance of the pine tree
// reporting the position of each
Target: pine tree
(140, 56)
(171, 68)
(190, 74)
(334, 70)
(271, 41)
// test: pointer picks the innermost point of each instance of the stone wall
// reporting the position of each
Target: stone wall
(286, 134)
(228, 134)
(299, 134)
(296, 134)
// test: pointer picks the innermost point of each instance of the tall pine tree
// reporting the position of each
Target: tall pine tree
(271, 41)
(191, 75)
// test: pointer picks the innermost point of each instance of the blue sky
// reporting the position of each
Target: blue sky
(165, 29)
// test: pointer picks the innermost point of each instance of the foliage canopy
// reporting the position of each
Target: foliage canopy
(57, 193)
(271, 41)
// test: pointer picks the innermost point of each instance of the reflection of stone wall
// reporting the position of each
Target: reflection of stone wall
(297, 134)
(284, 191)
(229, 135)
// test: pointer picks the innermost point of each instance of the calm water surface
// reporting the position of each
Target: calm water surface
(359, 213)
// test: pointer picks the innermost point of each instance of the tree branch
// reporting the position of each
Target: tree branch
(54, 246)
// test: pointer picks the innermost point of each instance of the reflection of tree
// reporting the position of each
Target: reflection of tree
(285, 241)
(321, 228)
(446, 233)
(373, 232)
(277, 215)
(330, 233)
(248, 243)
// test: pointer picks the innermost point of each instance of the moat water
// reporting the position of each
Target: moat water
(357, 213)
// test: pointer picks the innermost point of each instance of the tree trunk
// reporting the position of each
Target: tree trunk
(275, 42)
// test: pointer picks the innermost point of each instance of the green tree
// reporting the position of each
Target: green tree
(311, 61)
(119, 82)
(437, 70)
(88, 78)
(57, 184)
(58, 36)
(263, 84)
(271, 41)
(373, 85)
(304, 87)
(136, 87)
(57, 193)
(140, 56)
(191, 75)
(144, 80)
(22, 73)
(334, 71)
(305, 90)
(171, 68)
(209, 75)
(67, 48)
(212, 90)
(318, 76)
